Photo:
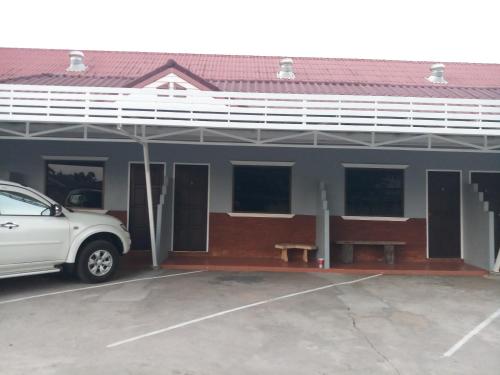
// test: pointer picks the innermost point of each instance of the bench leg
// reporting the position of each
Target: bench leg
(389, 254)
(347, 253)
(284, 255)
(305, 257)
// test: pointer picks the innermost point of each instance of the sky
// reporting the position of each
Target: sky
(439, 30)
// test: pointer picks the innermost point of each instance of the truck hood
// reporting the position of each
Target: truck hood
(92, 218)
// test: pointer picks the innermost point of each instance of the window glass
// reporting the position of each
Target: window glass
(262, 189)
(18, 204)
(374, 192)
(75, 183)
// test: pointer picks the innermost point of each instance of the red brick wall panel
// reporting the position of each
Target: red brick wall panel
(256, 237)
(413, 232)
(246, 237)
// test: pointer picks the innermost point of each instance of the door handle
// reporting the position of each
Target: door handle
(9, 225)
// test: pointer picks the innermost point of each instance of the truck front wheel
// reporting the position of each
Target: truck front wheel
(97, 261)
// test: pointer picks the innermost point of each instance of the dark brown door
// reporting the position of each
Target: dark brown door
(190, 207)
(138, 204)
(443, 191)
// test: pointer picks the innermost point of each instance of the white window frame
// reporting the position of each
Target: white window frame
(48, 158)
(289, 164)
(375, 166)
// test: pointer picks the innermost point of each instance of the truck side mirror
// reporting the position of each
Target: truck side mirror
(55, 210)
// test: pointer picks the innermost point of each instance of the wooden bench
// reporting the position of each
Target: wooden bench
(347, 253)
(284, 247)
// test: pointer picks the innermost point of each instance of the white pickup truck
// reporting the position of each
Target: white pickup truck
(38, 236)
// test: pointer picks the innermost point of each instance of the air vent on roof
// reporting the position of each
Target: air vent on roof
(286, 69)
(76, 62)
(437, 74)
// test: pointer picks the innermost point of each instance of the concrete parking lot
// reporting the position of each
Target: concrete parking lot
(175, 322)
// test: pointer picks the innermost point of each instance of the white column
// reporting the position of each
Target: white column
(149, 194)
(323, 225)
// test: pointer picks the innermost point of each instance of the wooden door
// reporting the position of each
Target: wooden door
(190, 207)
(138, 204)
(444, 214)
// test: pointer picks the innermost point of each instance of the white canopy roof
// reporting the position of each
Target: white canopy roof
(248, 119)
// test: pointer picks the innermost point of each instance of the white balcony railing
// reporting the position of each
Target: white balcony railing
(156, 107)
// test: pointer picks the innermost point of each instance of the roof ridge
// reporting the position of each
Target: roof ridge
(353, 83)
(254, 56)
(209, 82)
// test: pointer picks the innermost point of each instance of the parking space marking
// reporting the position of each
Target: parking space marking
(244, 307)
(96, 286)
(472, 333)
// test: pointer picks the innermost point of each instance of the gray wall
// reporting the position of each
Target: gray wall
(8, 175)
(4, 173)
(478, 230)
(311, 166)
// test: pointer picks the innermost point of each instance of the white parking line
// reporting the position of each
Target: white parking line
(225, 312)
(472, 333)
(96, 286)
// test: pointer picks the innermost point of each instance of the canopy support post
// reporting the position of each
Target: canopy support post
(149, 193)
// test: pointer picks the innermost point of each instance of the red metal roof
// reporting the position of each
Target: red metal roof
(251, 73)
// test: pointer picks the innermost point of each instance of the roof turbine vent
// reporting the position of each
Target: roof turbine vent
(76, 62)
(286, 69)
(437, 74)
